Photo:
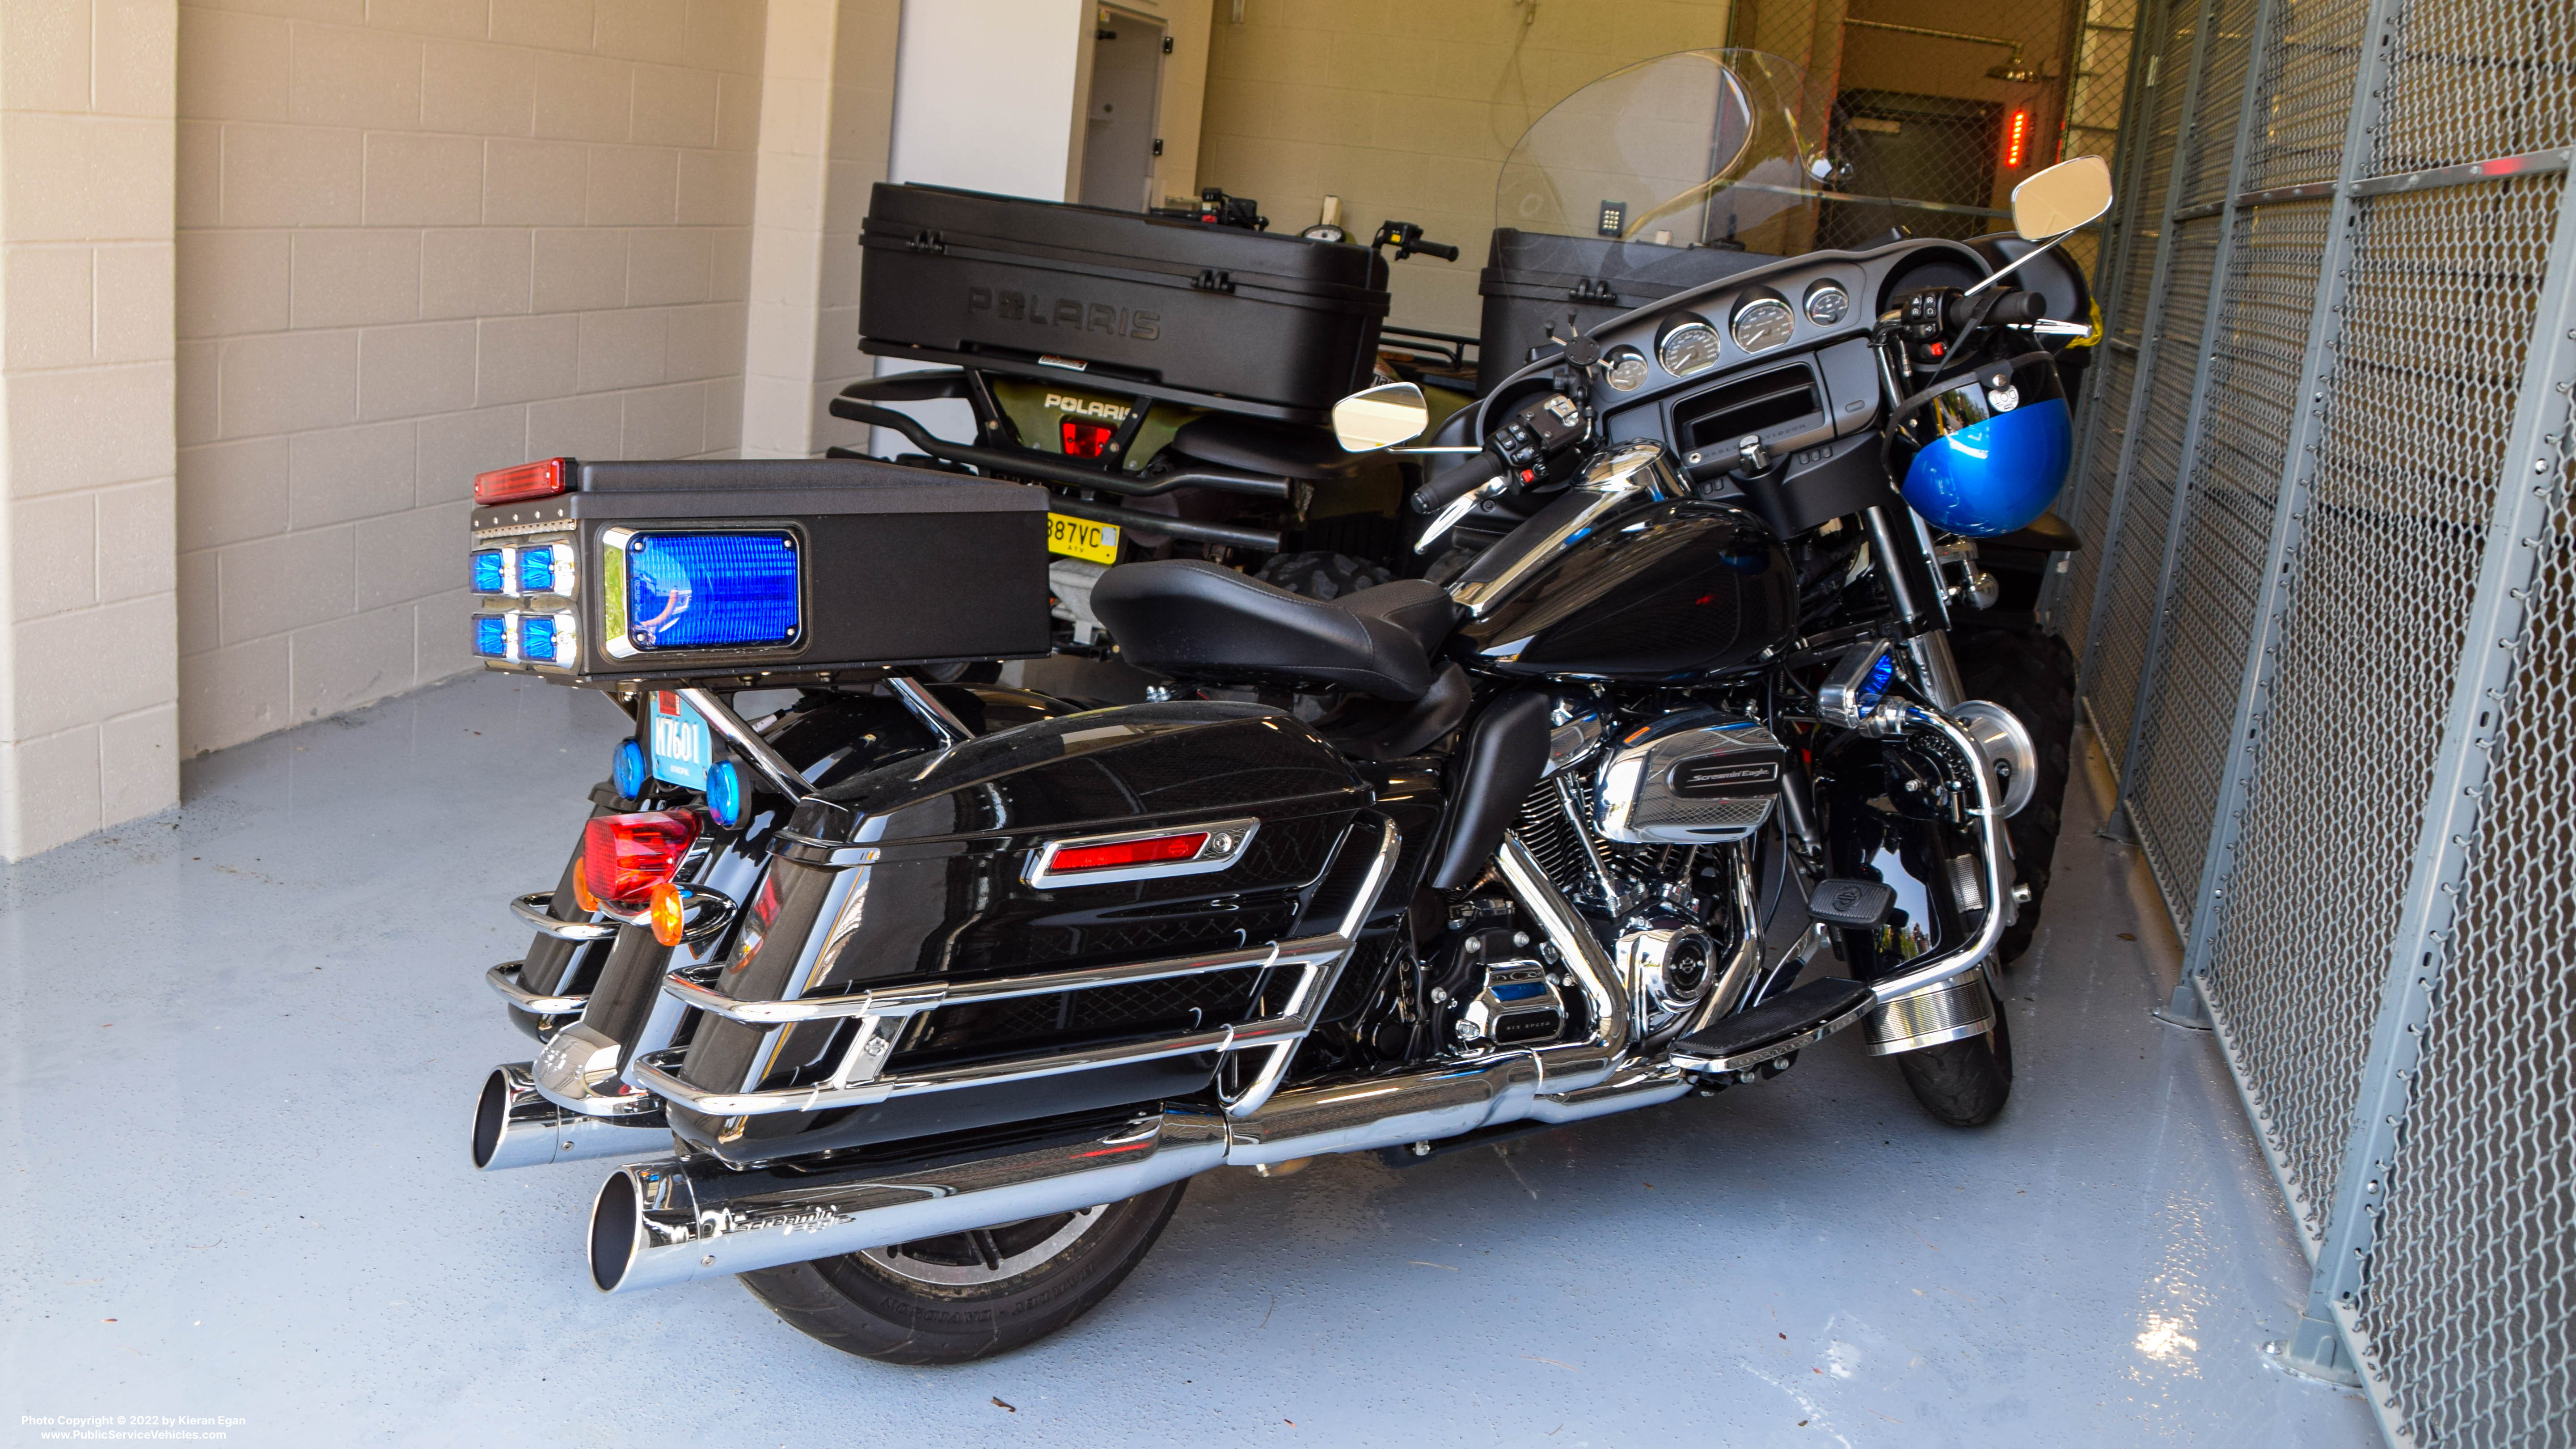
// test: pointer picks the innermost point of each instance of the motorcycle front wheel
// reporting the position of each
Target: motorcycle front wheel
(967, 1296)
(1963, 1083)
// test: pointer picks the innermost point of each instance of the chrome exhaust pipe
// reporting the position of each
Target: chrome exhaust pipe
(655, 1224)
(515, 1126)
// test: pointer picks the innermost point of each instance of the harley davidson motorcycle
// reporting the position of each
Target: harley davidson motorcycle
(941, 993)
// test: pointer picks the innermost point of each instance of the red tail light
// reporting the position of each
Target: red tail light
(1128, 852)
(2016, 139)
(624, 856)
(528, 480)
(1086, 440)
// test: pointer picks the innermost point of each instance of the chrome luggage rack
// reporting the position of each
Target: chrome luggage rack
(861, 1079)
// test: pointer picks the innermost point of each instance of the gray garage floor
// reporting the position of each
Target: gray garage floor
(241, 1044)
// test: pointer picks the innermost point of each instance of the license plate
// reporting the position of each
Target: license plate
(1082, 538)
(678, 741)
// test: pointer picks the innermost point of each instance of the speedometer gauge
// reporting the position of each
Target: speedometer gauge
(1689, 348)
(1763, 323)
(1626, 367)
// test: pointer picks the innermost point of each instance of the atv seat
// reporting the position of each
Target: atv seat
(1195, 620)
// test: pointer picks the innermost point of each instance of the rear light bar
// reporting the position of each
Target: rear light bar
(623, 857)
(1140, 854)
(528, 480)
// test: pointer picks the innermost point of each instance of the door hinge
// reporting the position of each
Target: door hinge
(1158, 145)
(1167, 45)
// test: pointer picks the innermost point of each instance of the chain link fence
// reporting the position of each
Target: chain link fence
(2327, 616)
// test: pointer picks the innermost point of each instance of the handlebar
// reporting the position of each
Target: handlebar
(1442, 250)
(1454, 483)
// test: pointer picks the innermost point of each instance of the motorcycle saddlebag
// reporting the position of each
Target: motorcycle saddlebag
(940, 881)
(1241, 321)
(784, 568)
(1533, 282)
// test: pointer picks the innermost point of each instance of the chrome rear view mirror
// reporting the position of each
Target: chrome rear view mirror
(1380, 417)
(2061, 198)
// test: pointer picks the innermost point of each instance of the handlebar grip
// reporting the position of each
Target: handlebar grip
(1444, 252)
(2010, 309)
(1452, 484)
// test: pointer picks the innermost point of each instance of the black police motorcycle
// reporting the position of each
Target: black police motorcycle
(942, 992)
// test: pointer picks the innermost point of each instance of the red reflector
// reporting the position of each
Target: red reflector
(1086, 440)
(1128, 852)
(624, 856)
(528, 480)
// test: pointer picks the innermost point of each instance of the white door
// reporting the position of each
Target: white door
(1126, 84)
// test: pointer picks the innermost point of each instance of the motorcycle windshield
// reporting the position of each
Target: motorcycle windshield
(1695, 148)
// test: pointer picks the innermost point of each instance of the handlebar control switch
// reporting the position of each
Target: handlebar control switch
(1539, 431)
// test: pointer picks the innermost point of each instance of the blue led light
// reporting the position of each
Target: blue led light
(711, 590)
(537, 638)
(489, 577)
(492, 635)
(725, 795)
(536, 571)
(1518, 990)
(1881, 675)
(626, 767)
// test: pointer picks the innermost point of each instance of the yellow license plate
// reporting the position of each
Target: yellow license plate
(1082, 538)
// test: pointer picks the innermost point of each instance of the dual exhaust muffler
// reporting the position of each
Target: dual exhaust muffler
(674, 1220)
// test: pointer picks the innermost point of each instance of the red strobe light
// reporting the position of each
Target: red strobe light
(1086, 440)
(623, 857)
(528, 480)
(1160, 849)
(2016, 139)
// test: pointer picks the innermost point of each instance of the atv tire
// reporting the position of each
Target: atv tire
(1323, 575)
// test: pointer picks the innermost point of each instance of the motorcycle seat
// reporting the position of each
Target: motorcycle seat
(1194, 620)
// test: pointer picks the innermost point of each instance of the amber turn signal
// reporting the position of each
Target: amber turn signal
(581, 893)
(668, 924)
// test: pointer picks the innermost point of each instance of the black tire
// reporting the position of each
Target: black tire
(2033, 675)
(1452, 562)
(1963, 1083)
(1323, 575)
(868, 1304)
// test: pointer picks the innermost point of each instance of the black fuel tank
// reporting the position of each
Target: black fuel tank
(1669, 593)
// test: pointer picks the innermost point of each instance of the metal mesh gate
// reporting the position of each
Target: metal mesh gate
(2327, 614)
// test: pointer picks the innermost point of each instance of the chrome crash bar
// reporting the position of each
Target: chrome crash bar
(1991, 849)
(861, 1078)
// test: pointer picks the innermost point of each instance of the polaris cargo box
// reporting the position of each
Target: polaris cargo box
(775, 569)
(1537, 285)
(1215, 316)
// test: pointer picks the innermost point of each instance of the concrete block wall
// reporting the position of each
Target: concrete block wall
(1407, 111)
(88, 670)
(417, 239)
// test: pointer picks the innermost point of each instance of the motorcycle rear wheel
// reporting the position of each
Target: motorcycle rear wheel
(1963, 1083)
(967, 1296)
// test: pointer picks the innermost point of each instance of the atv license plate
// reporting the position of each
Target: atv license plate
(679, 744)
(1082, 538)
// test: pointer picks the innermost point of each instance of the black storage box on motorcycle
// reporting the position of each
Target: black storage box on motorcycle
(789, 568)
(1219, 317)
(1535, 284)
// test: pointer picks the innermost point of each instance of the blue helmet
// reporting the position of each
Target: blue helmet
(2005, 441)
